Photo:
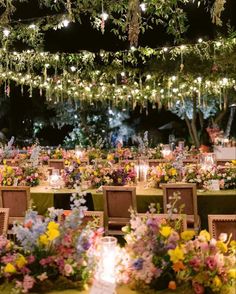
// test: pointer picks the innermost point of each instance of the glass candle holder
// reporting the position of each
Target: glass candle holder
(106, 268)
(55, 179)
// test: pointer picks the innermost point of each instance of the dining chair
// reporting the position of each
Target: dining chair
(156, 162)
(4, 217)
(89, 216)
(56, 163)
(17, 199)
(188, 199)
(117, 202)
(181, 218)
(222, 223)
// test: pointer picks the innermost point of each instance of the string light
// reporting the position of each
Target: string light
(73, 68)
(6, 32)
(65, 22)
(200, 40)
(104, 16)
(143, 7)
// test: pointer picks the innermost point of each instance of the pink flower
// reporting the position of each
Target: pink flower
(68, 269)
(198, 288)
(195, 263)
(42, 277)
(211, 262)
(28, 283)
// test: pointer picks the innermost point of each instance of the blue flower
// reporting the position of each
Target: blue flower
(138, 264)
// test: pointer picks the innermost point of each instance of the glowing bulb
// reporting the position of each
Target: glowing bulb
(218, 43)
(65, 22)
(104, 16)
(32, 26)
(165, 49)
(149, 77)
(73, 68)
(182, 47)
(143, 6)
(6, 32)
(132, 48)
(173, 78)
(199, 79)
(122, 74)
(200, 40)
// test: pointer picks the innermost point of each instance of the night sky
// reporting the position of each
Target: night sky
(22, 110)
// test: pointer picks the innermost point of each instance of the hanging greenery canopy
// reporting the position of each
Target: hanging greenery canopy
(138, 75)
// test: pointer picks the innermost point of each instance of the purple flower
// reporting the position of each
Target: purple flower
(138, 264)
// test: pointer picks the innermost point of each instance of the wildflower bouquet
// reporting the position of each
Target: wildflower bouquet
(208, 264)
(51, 255)
(58, 153)
(71, 174)
(162, 173)
(149, 241)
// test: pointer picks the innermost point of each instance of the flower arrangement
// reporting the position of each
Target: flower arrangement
(71, 173)
(21, 176)
(58, 153)
(202, 177)
(50, 254)
(159, 256)
(162, 173)
(123, 175)
(207, 264)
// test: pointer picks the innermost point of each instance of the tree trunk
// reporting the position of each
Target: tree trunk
(191, 124)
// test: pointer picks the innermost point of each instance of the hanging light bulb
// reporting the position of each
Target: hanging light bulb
(104, 16)
(6, 32)
(143, 7)
(65, 22)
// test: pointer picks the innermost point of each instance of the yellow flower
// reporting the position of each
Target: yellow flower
(43, 239)
(205, 234)
(166, 178)
(21, 261)
(217, 282)
(234, 162)
(9, 268)
(166, 231)
(176, 254)
(233, 244)
(187, 235)
(95, 173)
(221, 246)
(53, 226)
(110, 157)
(53, 234)
(232, 273)
(78, 161)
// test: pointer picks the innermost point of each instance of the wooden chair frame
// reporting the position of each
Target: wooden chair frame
(107, 218)
(15, 188)
(182, 217)
(94, 214)
(180, 186)
(55, 161)
(213, 218)
(5, 212)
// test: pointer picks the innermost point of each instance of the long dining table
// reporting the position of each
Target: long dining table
(209, 202)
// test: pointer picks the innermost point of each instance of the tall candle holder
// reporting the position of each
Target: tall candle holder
(142, 169)
(55, 179)
(105, 277)
(207, 161)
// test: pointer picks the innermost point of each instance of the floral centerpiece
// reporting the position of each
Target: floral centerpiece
(50, 255)
(160, 256)
(58, 153)
(202, 177)
(162, 173)
(71, 173)
(21, 176)
(123, 175)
